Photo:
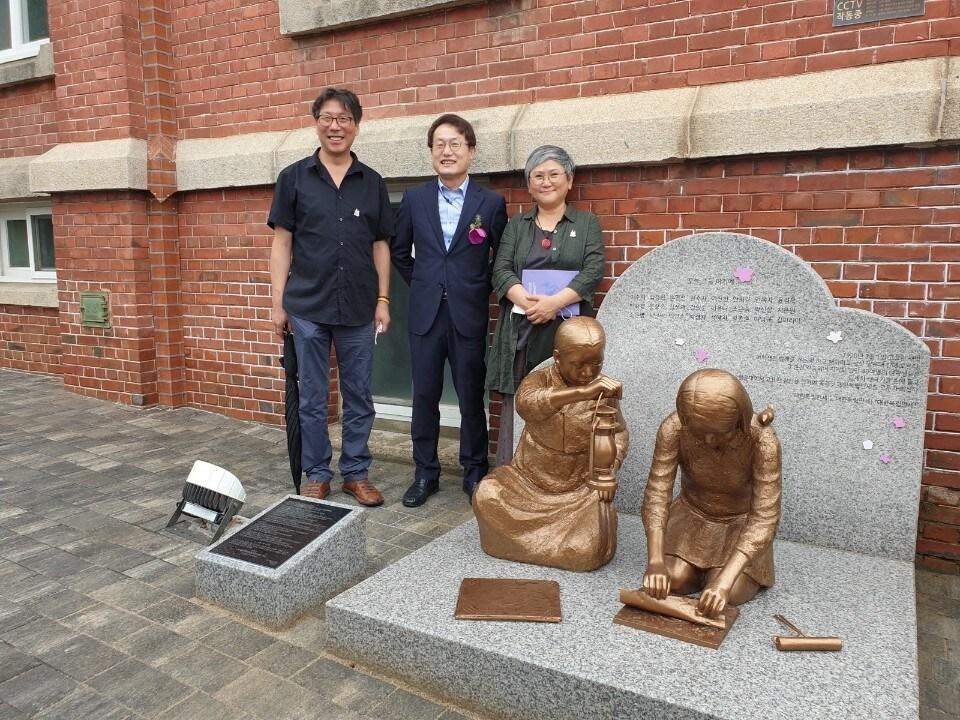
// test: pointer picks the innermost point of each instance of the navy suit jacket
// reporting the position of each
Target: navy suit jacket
(464, 271)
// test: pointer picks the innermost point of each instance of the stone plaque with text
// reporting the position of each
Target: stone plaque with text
(854, 12)
(277, 535)
(848, 387)
(292, 556)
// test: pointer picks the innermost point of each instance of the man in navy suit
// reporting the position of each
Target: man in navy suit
(454, 226)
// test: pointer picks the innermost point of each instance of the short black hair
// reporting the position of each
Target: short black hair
(463, 127)
(346, 98)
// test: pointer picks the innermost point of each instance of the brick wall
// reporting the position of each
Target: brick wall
(101, 244)
(28, 119)
(231, 350)
(30, 338)
(98, 68)
(231, 63)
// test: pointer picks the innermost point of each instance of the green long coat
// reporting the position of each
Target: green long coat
(578, 245)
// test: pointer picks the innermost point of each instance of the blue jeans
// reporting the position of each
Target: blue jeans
(354, 347)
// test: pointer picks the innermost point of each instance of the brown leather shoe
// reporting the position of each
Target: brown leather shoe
(364, 491)
(315, 490)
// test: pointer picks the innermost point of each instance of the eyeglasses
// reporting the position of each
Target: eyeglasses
(454, 145)
(342, 120)
(541, 178)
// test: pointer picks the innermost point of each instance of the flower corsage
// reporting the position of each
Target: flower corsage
(477, 234)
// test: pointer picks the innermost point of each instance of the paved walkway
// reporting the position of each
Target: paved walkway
(97, 616)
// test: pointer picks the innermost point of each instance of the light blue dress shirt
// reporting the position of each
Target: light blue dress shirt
(450, 203)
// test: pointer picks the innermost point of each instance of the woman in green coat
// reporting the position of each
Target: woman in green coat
(552, 235)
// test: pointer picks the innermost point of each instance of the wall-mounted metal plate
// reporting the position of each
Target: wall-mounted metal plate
(95, 309)
(855, 12)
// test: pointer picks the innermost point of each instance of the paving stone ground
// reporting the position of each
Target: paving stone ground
(97, 614)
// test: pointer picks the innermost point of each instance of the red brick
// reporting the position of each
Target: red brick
(936, 441)
(895, 253)
(829, 253)
(858, 271)
(840, 289)
(941, 479)
(941, 533)
(949, 291)
(935, 272)
(939, 549)
(813, 218)
(925, 310)
(945, 28)
(943, 329)
(897, 234)
(942, 496)
(939, 565)
(893, 271)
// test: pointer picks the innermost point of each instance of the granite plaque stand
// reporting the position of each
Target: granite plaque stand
(849, 389)
(401, 623)
(292, 556)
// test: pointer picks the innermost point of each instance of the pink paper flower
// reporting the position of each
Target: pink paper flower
(885, 458)
(477, 234)
(743, 274)
(702, 355)
(899, 422)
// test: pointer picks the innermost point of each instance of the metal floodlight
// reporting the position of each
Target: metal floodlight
(211, 494)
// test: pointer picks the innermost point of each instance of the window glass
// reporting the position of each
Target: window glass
(19, 253)
(34, 14)
(5, 25)
(42, 229)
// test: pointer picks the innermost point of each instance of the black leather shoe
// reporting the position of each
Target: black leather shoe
(472, 478)
(417, 494)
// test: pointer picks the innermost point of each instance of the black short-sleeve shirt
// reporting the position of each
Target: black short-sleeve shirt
(332, 279)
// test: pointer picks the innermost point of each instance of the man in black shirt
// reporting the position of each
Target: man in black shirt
(330, 276)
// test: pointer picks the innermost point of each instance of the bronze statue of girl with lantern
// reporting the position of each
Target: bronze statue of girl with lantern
(553, 505)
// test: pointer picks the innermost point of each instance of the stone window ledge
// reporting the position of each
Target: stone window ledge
(298, 17)
(100, 165)
(15, 178)
(903, 103)
(39, 67)
(29, 294)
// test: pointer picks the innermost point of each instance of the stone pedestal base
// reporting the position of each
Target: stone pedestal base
(277, 597)
(401, 622)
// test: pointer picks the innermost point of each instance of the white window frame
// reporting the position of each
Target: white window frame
(19, 50)
(28, 274)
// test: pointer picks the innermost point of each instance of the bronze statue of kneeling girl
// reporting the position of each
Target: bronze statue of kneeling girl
(717, 535)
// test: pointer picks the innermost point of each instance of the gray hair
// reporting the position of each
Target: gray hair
(545, 153)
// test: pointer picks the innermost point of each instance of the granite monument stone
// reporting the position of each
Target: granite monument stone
(292, 556)
(849, 387)
(849, 390)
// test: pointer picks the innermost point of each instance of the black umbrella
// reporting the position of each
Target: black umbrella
(291, 409)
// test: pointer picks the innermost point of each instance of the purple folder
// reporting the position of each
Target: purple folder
(549, 282)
